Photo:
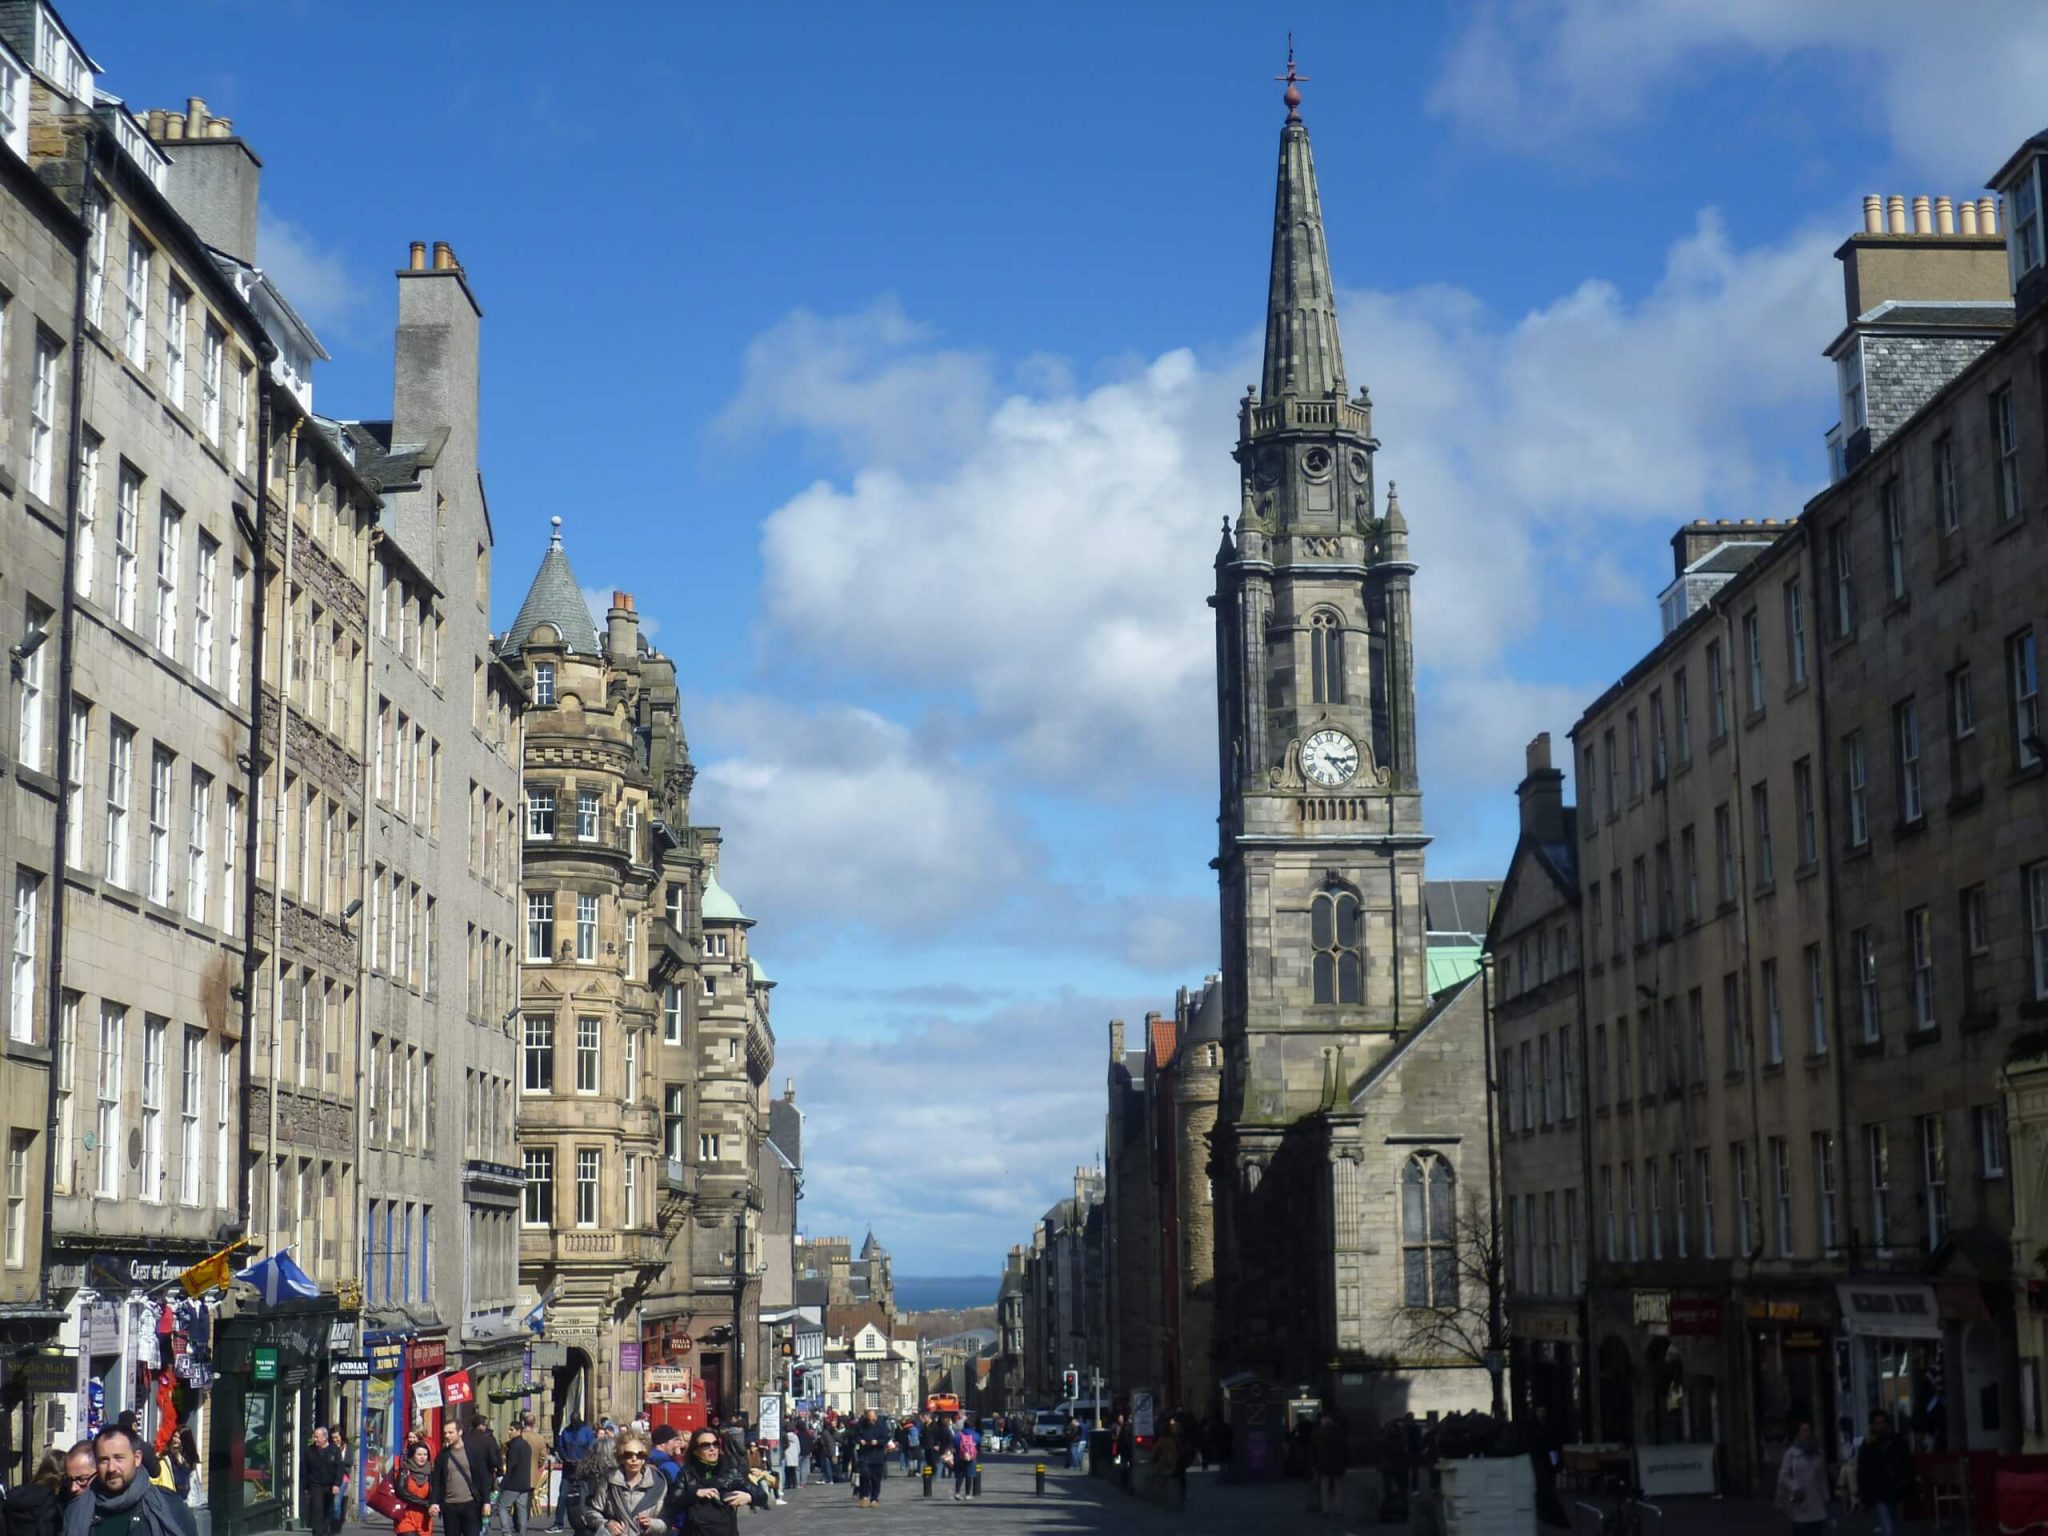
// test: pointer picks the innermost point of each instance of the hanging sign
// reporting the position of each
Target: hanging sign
(426, 1393)
(455, 1388)
(263, 1364)
(350, 1368)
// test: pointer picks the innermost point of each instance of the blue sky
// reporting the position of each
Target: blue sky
(887, 354)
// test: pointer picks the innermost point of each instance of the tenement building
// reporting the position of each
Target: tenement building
(1349, 1158)
(1534, 942)
(439, 1211)
(644, 1040)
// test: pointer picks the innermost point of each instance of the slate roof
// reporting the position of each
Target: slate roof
(1456, 911)
(1207, 1023)
(1911, 315)
(378, 459)
(554, 599)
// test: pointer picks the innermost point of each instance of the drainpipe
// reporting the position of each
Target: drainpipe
(277, 817)
(67, 625)
(357, 1215)
(252, 837)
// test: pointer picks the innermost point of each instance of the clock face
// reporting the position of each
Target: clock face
(1328, 758)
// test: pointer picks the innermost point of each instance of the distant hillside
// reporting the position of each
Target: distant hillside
(946, 1323)
(941, 1293)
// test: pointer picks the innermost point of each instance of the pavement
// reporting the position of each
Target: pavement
(1076, 1504)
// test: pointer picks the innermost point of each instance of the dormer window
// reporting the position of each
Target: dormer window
(2023, 245)
(1849, 382)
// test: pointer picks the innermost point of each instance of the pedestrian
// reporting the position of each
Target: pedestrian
(81, 1466)
(128, 1421)
(712, 1490)
(1546, 1456)
(485, 1458)
(734, 1434)
(824, 1451)
(629, 1501)
(515, 1485)
(320, 1482)
(661, 1453)
(1075, 1441)
(1803, 1484)
(871, 1447)
(793, 1455)
(1167, 1465)
(966, 1455)
(1884, 1473)
(121, 1501)
(32, 1508)
(183, 1457)
(571, 1446)
(910, 1443)
(461, 1497)
(1126, 1450)
(1330, 1456)
(346, 1464)
(413, 1484)
(938, 1445)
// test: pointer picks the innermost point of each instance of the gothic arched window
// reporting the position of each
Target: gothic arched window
(1429, 1239)
(1326, 657)
(1336, 933)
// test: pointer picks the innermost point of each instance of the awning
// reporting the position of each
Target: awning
(1889, 1309)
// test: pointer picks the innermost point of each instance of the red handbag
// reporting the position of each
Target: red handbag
(383, 1498)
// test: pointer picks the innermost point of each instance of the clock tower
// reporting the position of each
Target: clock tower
(1320, 862)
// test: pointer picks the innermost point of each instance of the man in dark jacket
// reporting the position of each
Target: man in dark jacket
(1884, 1473)
(122, 1501)
(515, 1487)
(663, 1453)
(871, 1446)
(571, 1446)
(319, 1482)
(485, 1459)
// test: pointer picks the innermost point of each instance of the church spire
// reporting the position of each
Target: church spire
(1303, 355)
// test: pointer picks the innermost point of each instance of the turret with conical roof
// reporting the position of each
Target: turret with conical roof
(555, 600)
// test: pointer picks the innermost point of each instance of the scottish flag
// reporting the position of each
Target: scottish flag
(279, 1279)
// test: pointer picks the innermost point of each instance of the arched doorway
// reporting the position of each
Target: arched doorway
(573, 1383)
(1617, 1392)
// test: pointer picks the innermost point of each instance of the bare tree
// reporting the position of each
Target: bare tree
(1454, 1296)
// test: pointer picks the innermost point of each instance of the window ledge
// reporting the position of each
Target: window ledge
(1920, 1038)
(1952, 559)
(1733, 1076)
(1977, 1020)
(2010, 526)
(1894, 607)
(1794, 689)
(1905, 829)
(1805, 872)
(1865, 1050)
(1753, 718)
(1965, 800)
(1773, 1069)
(1853, 854)
(2034, 770)
(1817, 1058)
(1768, 886)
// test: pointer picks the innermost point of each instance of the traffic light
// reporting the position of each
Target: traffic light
(1073, 1383)
(788, 1346)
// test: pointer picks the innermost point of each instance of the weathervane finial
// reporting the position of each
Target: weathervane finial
(1294, 83)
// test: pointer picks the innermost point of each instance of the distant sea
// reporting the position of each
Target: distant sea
(945, 1293)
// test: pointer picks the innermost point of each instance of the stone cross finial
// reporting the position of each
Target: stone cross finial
(1294, 83)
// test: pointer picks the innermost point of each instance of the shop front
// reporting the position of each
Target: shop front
(1545, 1364)
(1789, 1352)
(1892, 1359)
(270, 1390)
(380, 1437)
(426, 1357)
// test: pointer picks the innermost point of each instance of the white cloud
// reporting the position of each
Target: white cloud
(837, 814)
(1956, 86)
(313, 277)
(1053, 570)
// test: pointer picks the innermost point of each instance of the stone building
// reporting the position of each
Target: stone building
(1929, 556)
(1006, 1379)
(645, 1041)
(1064, 1325)
(1538, 1040)
(439, 1213)
(1349, 1093)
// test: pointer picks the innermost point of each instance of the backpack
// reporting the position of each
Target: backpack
(969, 1445)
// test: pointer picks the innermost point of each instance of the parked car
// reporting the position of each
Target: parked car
(1048, 1427)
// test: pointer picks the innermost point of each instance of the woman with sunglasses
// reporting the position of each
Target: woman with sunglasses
(628, 1501)
(712, 1489)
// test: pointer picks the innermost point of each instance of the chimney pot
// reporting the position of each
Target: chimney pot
(1895, 211)
(195, 117)
(444, 257)
(418, 260)
(1873, 214)
(1923, 218)
(1966, 211)
(1987, 215)
(1944, 215)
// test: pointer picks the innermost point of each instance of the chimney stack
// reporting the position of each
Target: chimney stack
(1116, 1041)
(622, 632)
(212, 177)
(1541, 794)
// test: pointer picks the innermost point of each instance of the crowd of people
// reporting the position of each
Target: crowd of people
(113, 1484)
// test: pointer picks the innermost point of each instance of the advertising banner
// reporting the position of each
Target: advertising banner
(426, 1393)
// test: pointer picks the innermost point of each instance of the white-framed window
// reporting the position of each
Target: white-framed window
(244, 388)
(1724, 854)
(1877, 1159)
(1745, 1200)
(42, 419)
(586, 1056)
(211, 362)
(238, 602)
(191, 1095)
(135, 302)
(1808, 814)
(1655, 1188)
(540, 925)
(127, 536)
(586, 929)
(170, 529)
(1635, 755)
(674, 1117)
(540, 813)
(1703, 1165)
(538, 1054)
(672, 1014)
(707, 1147)
(1731, 1012)
(588, 1162)
(2023, 235)
(1753, 659)
(224, 1095)
(1934, 1179)
(1947, 509)
(632, 1192)
(18, 1144)
(95, 259)
(1824, 1191)
(205, 594)
(1816, 1002)
(1893, 507)
(586, 816)
(161, 767)
(21, 981)
(1842, 578)
(1633, 1231)
(538, 1209)
(1920, 966)
(1863, 956)
(2005, 430)
(1856, 781)
(544, 684)
(177, 315)
(80, 728)
(1849, 383)
(84, 539)
(230, 850)
(1681, 705)
(1795, 630)
(1987, 1125)
(30, 674)
(1681, 1216)
(198, 866)
(2034, 878)
(1906, 745)
(1774, 1023)
(107, 1083)
(2024, 679)
(1760, 819)
(120, 786)
(1781, 1194)
(632, 1066)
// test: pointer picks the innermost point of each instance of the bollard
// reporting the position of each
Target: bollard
(927, 1482)
(1041, 1478)
(975, 1490)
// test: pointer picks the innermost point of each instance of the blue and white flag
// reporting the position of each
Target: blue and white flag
(279, 1279)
